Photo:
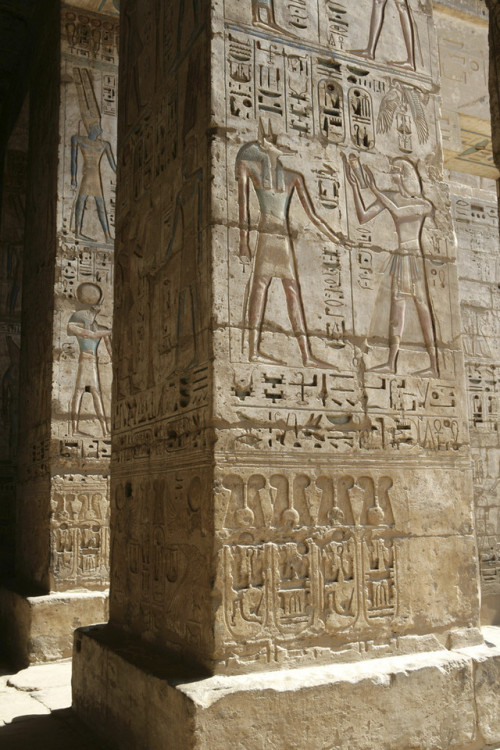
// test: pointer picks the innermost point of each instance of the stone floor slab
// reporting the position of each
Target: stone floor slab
(55, 698)
(35, 711)
(14, 704)
(39, 677)
(57, 731)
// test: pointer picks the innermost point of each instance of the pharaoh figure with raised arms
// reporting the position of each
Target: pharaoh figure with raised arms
(259, 163)
(408, 210)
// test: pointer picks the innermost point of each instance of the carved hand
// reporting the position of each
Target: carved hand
(351, 177)
(330, 233)
(369, 178)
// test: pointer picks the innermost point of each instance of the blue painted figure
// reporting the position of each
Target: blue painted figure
(92, 149)
(82, 324)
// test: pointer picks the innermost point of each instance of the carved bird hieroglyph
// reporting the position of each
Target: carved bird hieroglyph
(400, 98)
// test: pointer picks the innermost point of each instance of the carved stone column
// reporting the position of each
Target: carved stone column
(291, 482)
(63, 507)
(467, 144)
(11, 256)
(494, 81)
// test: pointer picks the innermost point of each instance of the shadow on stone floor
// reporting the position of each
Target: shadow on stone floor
(59, 730)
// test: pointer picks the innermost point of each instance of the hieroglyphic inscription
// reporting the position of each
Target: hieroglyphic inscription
(378, 285)
(302, 93)
(90, 36)
(327, 412)
(163, 378)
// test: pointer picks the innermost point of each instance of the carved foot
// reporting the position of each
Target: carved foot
(271, 27)
(363, 53)
(311, 361)
(266, 359)
(403, 64)
(83, 237)
(428, 372)
(386, 367)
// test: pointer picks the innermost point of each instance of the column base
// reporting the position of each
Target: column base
(36, 629)
(137, 699)
(490, 609)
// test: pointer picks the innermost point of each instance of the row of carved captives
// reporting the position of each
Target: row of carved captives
(288, 501)
(250, 499)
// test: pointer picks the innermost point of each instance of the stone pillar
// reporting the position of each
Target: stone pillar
(11, 255)
(472, 175)
(65, 380)
(291, 483)
(494, 77)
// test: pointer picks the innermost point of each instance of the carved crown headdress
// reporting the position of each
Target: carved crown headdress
(410, 176)
(268, 135)
(89, 109)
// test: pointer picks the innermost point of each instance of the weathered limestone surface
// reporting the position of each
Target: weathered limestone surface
(63, 506)
(291, 468)
(444, 699)
(465, 116)
(40, 628)
(464, 8)
(494, 72)
(476, 217)
(463, 48)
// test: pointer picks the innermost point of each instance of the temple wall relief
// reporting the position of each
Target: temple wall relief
(337, 328)
(69, 445)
